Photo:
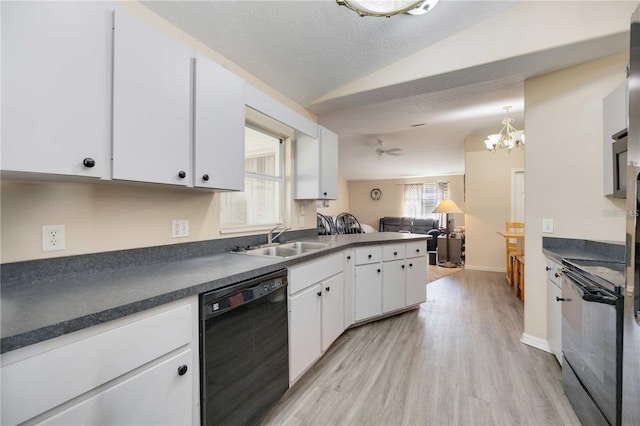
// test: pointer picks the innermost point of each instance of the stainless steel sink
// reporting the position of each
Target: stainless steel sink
(287, 249)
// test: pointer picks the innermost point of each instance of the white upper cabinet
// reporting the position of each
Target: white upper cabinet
(615, 117)
(56, 80)
(151, 104)
(316, 166)
(219, 127)
(329, 163)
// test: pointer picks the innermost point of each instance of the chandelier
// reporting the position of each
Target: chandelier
(388, 8)
(508, 138)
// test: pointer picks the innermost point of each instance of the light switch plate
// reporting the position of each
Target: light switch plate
(547, 226)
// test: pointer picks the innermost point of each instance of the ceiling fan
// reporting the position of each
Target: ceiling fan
(391, 151)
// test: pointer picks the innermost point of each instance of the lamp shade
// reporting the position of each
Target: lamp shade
(447, 206)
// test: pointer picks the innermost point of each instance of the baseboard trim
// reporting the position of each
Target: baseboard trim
(535, 342)
(485, 268)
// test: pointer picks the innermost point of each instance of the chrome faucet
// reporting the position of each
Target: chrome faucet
(271, 239)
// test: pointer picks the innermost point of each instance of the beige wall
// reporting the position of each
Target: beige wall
(390, 204)
(488, 203)
(564, 171)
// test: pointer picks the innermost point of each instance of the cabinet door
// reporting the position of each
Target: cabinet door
(328, 164)
(554, 319)
(368, 291)
(332, 310)
(219, 127)
(151, 104)
(316, 166)
(305, 316)
(393, 285)
(155, 395)
(56, 79)
(416, 280)
(349, 274)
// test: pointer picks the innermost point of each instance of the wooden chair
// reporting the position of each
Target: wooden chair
(519, 276)
(512, 249)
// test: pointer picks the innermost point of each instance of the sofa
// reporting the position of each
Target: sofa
(415, 226)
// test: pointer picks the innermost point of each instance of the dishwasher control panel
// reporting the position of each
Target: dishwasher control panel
(217, 302)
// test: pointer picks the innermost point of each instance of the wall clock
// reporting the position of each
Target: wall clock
(376, 194)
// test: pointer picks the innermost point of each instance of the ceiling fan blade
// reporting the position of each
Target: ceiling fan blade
(395, 154)
(392, 150)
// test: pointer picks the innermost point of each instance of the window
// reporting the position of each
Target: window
(262, 202)
(420, 199)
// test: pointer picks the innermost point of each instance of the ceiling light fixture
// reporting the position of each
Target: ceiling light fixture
(508, 138)
(388, 8)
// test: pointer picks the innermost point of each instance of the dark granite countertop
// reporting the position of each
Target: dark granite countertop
(599, 260)
(570, 248)
(34, 309)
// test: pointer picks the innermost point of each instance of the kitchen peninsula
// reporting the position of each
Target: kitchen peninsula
(136, 292)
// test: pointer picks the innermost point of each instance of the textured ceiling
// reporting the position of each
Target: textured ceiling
(306, 49)
(310, 50)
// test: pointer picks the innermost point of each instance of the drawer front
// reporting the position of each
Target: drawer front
(370, 254)
(393, 252)
(417, 249)
(309, 273)
(553, 269)
(135, 400)
(37, 384)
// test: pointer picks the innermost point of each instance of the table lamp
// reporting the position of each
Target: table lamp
(448, 207)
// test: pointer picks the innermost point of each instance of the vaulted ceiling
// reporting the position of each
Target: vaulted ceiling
(419, 83)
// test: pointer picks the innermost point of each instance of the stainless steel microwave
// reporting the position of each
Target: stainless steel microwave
(620, 164)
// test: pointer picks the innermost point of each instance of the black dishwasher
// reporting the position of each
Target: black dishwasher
(244, 350)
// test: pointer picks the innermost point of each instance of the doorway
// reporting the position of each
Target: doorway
(517, 195)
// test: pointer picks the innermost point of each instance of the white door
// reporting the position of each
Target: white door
(393, 285)
(155, 395)
(416, 280)
(332, 309)
(305, 309)
(151, 104)
(219, 127)
(368, 291)
(517, 195)
(56, 87)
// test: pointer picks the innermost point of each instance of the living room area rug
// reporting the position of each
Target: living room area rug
(435, 272)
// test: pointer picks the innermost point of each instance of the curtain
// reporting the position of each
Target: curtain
(420, 199)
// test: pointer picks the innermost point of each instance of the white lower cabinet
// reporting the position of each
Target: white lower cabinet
(554, 309)
(393, 285)
(332, 310)
(368, 291)
(305, 330)
(389, 278)
(140, 369)
(416, 270)
(349, 277)
(316, 310)
(135, 401)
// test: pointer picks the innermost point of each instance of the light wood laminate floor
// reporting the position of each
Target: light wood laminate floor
(455, 361)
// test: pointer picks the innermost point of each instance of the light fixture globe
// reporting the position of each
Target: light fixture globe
(388, 8)
(425, 7)
(508, 138)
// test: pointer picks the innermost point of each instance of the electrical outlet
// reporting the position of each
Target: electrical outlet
(547, 226)
(53, 237)
(179, 228)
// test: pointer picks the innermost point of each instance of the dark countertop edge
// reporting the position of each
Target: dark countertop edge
(559, 248)
(17, 341)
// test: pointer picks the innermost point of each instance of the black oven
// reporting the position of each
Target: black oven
(592, 340)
